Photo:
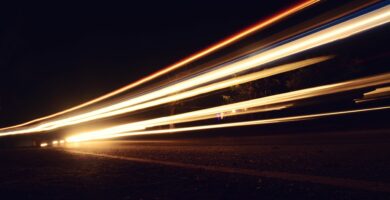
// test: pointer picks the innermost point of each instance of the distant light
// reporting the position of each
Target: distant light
(62, 141)
(43, 144)
(220, 115)
(55, 142)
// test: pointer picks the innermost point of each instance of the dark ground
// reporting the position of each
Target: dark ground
(336, 165)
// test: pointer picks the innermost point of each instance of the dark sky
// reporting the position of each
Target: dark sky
(55, 55)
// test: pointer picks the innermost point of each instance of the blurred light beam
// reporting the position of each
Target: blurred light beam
(234, 124)
(228, 41)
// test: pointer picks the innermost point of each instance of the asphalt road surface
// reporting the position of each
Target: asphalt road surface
(327, 165)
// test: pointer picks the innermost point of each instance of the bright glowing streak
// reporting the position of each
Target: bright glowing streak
(202, 90)
(62, 141)
(322, 37)
(55, 142)
(234, 38)
(43, 144)
(211, 112)
(325, 36)
(377, 94)
(238, 124)
(112, 130)
(212, 87)
(331, 34)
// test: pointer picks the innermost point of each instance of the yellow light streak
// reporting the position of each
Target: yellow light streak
(228, 41)
(331, 34)
(269, 100)
(383, 91)
(377, 94)
(328, 35)
(209, 88)
(229, 125)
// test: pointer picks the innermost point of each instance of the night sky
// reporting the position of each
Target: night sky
(57, 55)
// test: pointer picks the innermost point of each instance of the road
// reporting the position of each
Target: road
(310, 165)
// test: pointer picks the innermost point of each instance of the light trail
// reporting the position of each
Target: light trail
(228, 41)
(230, 125)
(336, 32)
(209, 88)
(322, 37)
(377, 94)
(331, 34)
(245, 105)
(188, 94)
